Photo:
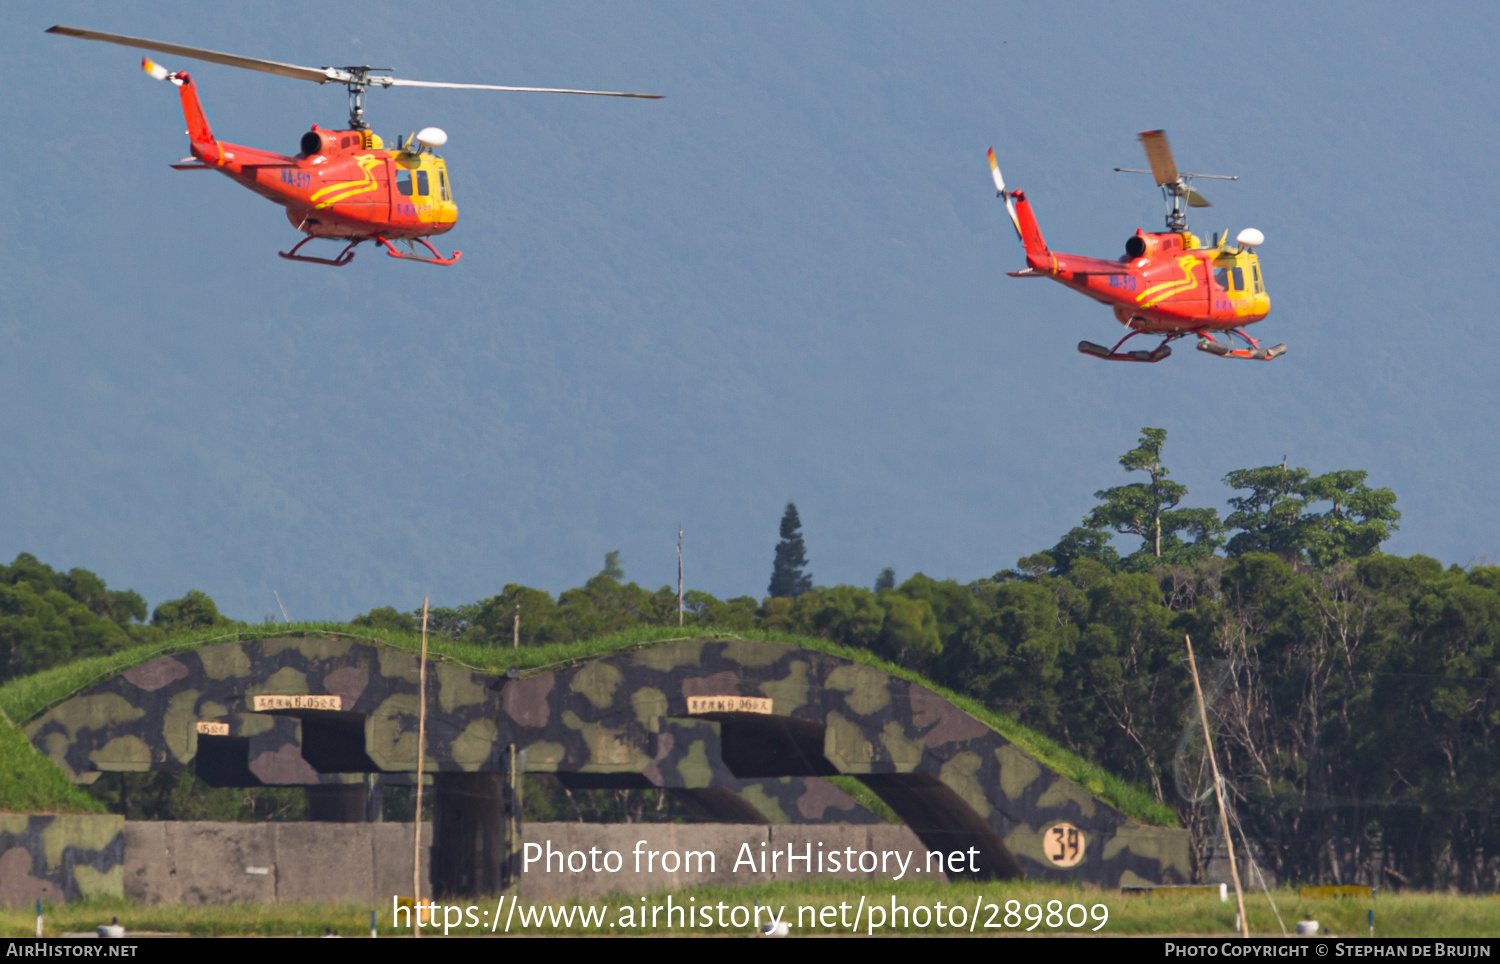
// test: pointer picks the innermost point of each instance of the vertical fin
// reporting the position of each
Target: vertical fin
(198, 130)
(1037, 253)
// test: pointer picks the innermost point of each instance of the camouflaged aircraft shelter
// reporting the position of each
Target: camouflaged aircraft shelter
(743, 731)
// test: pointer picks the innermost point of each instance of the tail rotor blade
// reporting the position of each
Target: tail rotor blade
(154, 69)
(1163, 167)
(1010, 206)
(999, 191)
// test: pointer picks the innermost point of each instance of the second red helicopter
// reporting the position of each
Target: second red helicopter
(343, 185)
(1167, 283)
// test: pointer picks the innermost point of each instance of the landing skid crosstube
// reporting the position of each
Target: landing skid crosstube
(347, 255)
(1206, 343)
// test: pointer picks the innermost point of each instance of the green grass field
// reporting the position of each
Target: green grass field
(1398, 915)
(22, 699)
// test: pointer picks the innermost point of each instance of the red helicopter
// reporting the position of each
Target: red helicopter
(1167, 283)
(343, 184)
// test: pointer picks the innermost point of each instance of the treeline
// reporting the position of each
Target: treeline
(48, 618)
(1355, 695)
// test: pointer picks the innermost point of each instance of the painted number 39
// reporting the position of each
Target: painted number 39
(1064, 844)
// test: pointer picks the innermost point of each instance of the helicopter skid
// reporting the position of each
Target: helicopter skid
(1114, 354)
(344, 257)
(436, 258)
(1207, 343)
(1099, 351)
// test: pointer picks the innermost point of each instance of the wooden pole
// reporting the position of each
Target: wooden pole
(679, 574)
(416, 844)
(515, 629)
(513, 821)
(1239, 895)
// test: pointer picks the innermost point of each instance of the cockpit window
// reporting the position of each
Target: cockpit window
(403, 181)
(1260, 287)
(1221, 275)
(1239, 278)
(422, 183)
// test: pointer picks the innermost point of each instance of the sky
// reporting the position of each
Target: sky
(784, 281)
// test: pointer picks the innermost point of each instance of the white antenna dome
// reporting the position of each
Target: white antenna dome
(435, 137)
(1248, 238)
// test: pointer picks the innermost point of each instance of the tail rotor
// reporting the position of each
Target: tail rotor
(1010, 206)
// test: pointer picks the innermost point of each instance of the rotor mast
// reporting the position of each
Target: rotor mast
(1176, 186)
(358, 81)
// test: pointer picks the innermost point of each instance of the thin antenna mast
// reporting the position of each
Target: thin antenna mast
(679, 574)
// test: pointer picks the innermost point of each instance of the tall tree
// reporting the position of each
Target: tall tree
(788, 575)
(1272, 515)
(1269, 515)
(1149, 509)
(1359, 520)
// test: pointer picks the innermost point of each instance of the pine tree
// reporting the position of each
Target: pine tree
(1149, 510)
(788, 577)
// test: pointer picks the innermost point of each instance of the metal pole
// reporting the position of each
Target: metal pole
(515, 635)
(679, 574)
(1239, 895)
(416, 844)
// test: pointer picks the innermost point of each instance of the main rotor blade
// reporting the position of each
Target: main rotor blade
(1196, 200)
(1163, 167)
(398, 82)
(198, 53)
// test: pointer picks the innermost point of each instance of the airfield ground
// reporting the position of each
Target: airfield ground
(1396, 915)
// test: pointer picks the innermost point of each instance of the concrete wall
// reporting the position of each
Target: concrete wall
(223, 863)
(59, 857)
(200, 862)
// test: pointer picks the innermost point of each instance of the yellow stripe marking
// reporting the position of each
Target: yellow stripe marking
(347, 189)
(1159, 293)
